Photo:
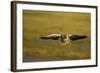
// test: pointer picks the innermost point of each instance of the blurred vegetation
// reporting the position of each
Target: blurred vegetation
(39, 23)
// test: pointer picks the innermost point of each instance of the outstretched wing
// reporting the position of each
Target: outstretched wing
(77, 37)
(52, 36)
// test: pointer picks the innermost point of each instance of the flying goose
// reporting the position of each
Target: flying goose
(64, 39)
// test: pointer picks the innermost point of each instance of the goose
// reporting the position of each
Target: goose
(64, 39)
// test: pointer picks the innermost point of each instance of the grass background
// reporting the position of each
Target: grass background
(39, 23)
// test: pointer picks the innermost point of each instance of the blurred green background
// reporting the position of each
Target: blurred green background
(40, 23)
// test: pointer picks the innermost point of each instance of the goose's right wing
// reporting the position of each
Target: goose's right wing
(52, 36)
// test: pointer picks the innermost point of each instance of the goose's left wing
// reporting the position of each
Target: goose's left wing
(77, 37)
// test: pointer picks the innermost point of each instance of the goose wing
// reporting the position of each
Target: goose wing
(77, 37)
(52, 36)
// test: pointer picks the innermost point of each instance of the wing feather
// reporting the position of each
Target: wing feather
(77, 37)
(52, 36)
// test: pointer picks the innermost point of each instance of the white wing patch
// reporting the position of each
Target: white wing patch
(54, 35)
